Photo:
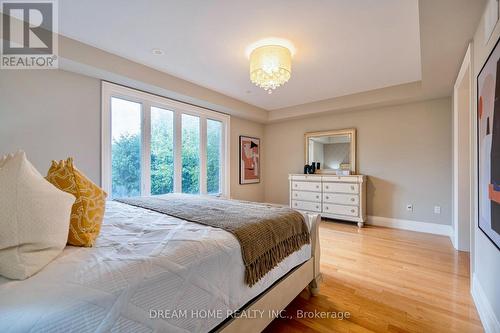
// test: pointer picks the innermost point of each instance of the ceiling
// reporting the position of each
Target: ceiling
(343, 47)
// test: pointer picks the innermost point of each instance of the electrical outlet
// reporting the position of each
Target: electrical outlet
(437, 209)
(409, 207)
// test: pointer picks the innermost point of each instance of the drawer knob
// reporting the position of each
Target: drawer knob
(317, 207)
(295, 204)
(352, 188)
(327, 197)
(296, 195)
(327, 187)
(352, 199)
(352, 210)
(317, 197)
(326, 207)
(317, 186)
(296, 185)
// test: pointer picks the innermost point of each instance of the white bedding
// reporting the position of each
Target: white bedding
(142, 262)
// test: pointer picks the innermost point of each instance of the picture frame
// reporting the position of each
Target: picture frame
(488, 146)
(249, 153)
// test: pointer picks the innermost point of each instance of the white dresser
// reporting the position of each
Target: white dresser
(336, 197)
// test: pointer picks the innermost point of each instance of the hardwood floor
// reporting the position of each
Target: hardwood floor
(389, 281)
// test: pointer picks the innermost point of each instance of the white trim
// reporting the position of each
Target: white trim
(431, 228)
(473, 165)
(177, 152)
(461, 222)
(226, 167)
(148, 100)
(203, 155)
(486, 314)
(145, 149)
(105, 139)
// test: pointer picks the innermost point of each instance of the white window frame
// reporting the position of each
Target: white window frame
(147, 101)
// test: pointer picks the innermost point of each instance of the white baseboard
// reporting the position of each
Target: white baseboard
(431, 228)
(483, 306)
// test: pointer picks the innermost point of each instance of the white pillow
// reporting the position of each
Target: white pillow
(34, 218)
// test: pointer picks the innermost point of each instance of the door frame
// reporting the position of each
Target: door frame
(463, 156)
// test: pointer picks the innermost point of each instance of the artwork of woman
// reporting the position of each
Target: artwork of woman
(249, 160)
(489, 147)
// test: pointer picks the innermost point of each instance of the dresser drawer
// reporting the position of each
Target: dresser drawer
(343, 199)
(340, 209)
(341, 179)
(306, 205)
(306, 178)
(341, 188)
(306, 186)
(306, 196)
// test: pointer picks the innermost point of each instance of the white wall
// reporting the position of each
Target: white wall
(404, 150)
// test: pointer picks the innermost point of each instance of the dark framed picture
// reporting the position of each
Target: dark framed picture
(249, 160)
(488, 140)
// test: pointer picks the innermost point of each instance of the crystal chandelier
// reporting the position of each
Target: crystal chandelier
(270, 64)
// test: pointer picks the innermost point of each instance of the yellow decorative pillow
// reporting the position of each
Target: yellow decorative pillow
(88, 210)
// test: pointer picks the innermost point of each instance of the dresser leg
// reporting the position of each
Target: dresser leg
(360, 224)
(314, 286)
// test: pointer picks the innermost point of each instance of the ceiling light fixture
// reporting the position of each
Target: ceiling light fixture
(270, 62)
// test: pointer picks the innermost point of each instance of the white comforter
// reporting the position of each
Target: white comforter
(144, 265)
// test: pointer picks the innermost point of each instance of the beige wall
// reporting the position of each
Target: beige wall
(252, 192)
(404, 150)
(53, 114)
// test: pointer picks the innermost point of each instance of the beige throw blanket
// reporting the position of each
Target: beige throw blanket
(267, 234)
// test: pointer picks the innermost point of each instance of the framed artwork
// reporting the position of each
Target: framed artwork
(488, 131)
(249, 160)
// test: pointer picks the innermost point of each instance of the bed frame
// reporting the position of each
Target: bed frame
(279, 295)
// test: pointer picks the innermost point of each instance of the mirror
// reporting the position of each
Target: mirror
(334, 150)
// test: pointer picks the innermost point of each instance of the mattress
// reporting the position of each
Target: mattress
(147, 272)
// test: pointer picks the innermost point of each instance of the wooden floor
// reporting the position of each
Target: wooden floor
(389, 281)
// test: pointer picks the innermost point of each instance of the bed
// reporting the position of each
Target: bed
(150, 272)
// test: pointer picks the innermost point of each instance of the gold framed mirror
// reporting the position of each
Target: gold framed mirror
(335, 150)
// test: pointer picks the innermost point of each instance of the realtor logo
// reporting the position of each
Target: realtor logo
(29, 34)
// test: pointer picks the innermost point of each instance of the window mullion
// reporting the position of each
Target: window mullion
(203, 155)
(146, 149)
(222, 161)
(177, 152)
(225, 159)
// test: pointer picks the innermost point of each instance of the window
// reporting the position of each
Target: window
(125, 148)
(214, 147)
(152, 145)
(190, 154)
(162, 151)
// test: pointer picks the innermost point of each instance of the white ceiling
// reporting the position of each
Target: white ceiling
(343, 47)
